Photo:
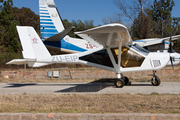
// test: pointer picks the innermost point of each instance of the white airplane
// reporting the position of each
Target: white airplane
(55, 36)
(112, 39)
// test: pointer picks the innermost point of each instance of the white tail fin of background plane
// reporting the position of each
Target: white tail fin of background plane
(32, 45)
(50, 21)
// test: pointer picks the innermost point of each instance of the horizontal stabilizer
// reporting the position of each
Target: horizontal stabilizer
(37, 64)
(30, 62)
(20, 61)
(60, 35)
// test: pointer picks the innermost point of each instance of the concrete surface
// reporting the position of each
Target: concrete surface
(88, 88)
(86, 116)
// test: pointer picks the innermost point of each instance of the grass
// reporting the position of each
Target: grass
(94, 103)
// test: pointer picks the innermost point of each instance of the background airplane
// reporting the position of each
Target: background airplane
(160, 45)
(54, 35)
(53, 32)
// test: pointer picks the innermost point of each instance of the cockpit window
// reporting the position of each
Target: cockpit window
(129, 58)
(140, 49)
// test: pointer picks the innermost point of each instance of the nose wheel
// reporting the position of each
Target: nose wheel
(155, 80)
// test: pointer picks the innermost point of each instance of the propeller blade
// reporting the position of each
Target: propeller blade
(170, 45)
(172, 62)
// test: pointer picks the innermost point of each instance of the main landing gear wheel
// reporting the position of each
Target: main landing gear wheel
(126, 80)
(119, 83)
(156, 81)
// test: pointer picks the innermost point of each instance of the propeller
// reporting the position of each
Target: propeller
(170, 51)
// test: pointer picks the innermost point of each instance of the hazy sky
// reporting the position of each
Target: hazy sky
(84, 9)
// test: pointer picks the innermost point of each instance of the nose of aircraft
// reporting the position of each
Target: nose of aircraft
(159, 60)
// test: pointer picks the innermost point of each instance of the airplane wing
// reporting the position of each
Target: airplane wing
(155, 41)
(108, 35)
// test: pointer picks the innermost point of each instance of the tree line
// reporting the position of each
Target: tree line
(10, 17)
(147, 19)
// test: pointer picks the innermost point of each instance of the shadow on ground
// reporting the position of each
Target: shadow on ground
(94, 86)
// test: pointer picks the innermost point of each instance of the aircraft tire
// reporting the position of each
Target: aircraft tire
(126, 80)
(157, 81)
(119, 83)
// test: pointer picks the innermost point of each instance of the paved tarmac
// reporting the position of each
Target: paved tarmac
(88, 88)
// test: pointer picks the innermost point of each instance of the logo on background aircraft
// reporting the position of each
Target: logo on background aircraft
(35, 40)
(54, 15)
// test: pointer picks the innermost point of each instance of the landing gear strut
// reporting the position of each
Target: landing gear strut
(155, 80)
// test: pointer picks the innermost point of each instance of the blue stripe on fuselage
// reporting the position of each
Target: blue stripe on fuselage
(166, 43)
(64, 45)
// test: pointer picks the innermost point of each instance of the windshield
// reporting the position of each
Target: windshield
(140, 49)
(129, 58)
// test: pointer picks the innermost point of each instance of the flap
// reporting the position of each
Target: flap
(107, 35)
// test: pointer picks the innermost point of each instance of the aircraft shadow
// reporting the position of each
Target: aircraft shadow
(14, 85)
(140, 84)
(94, 86)
(90, 87)
(84, 87)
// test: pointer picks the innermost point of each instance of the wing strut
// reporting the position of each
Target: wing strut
(119, 54)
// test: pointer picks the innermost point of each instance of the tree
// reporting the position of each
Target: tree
(26, 17)
(132, 9)
(8, 34)
(137, 12)
(141, 28)
(112, 19)
(79, 26)
(161, 16)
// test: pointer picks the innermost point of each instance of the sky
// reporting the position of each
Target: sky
(83, 9)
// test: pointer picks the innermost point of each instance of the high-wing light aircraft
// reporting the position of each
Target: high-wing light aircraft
(115, 52)
(55, 36)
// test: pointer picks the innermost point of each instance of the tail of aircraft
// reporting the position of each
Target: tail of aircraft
(33, 47)
(50, 21)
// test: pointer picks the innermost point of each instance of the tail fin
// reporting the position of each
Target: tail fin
(32, 45)
(50, 21)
